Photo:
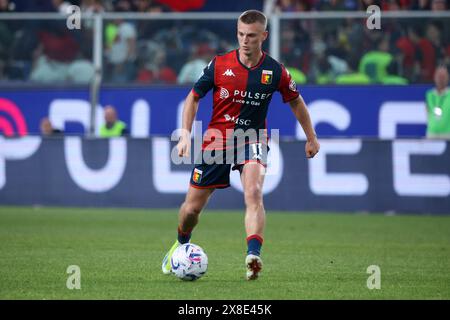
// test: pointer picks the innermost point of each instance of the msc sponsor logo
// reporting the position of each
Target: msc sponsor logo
(240, 121)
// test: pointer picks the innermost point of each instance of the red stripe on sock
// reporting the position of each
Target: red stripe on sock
(255, 236)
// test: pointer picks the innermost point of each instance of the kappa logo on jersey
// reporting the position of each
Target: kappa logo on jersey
(197, 176)
(229, 73)
(266, 77)
(224, 93)
(292, 85)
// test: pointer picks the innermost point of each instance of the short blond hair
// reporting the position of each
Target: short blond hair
(252, 16)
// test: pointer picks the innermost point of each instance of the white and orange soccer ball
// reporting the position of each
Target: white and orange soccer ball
(189, 262)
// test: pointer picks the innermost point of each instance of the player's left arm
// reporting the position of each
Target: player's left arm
(300, 111)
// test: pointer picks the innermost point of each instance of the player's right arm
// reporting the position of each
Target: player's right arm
(201, 88)
(189, 111)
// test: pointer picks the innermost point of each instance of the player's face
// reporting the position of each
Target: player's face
(251, 37)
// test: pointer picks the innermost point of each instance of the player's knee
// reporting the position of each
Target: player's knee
(191, 209)
(253, 196)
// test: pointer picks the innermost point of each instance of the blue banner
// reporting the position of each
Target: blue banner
(404, 176)
(337, 111)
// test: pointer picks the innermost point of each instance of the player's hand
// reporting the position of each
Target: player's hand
(312, 147)
(184, 146)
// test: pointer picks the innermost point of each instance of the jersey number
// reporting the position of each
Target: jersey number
(257, 151)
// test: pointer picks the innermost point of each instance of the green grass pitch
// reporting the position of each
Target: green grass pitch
(306, 255)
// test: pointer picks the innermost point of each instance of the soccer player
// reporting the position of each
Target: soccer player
(243, 82)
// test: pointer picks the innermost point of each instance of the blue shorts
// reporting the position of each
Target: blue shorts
(214, 167)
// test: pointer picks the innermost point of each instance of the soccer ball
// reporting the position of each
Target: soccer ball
(189, 262)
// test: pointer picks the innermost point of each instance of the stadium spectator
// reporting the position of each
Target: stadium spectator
(7, 6)
(91, 7)
(336, 5)
(47, 129)
(112, 127)
(295, 46)
(297, 75)
(148, 28)
(6, 39)
(294, 5)
(46, 70)
(40, 49)
(407, 52)
(228, 6)
(34, 6)
(153, 67)
(375, 63)
(80, 71)
(61, 6)
(149, 6)
(192, 70)
(428, 49)
(421, 5)
(392, 77)
(59, 45)
(391, 5)
(435, 33)
(438, 106)
(438, 5)
(353, 76)
(418, 48)
(121, 54)
(53, 56)
(181, 6)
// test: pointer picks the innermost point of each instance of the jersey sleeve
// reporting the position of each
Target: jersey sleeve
(206, 80)
(287, 87)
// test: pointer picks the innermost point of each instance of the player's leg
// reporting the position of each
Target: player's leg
(205, 179)
(252, 178)
(195, 201)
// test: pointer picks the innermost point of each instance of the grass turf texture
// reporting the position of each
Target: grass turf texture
(306, 256)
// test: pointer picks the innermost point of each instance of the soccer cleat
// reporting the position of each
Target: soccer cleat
(254, 266)
(166, 265)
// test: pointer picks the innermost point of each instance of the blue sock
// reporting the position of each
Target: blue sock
(183, 237)
(254, 243)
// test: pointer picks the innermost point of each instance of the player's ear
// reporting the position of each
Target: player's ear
(265, 35)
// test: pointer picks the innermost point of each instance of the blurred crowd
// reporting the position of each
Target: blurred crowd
(349, 5)
(345, 51)
(341, 51)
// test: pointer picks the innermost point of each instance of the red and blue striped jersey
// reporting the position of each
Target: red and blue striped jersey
(241, 95)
